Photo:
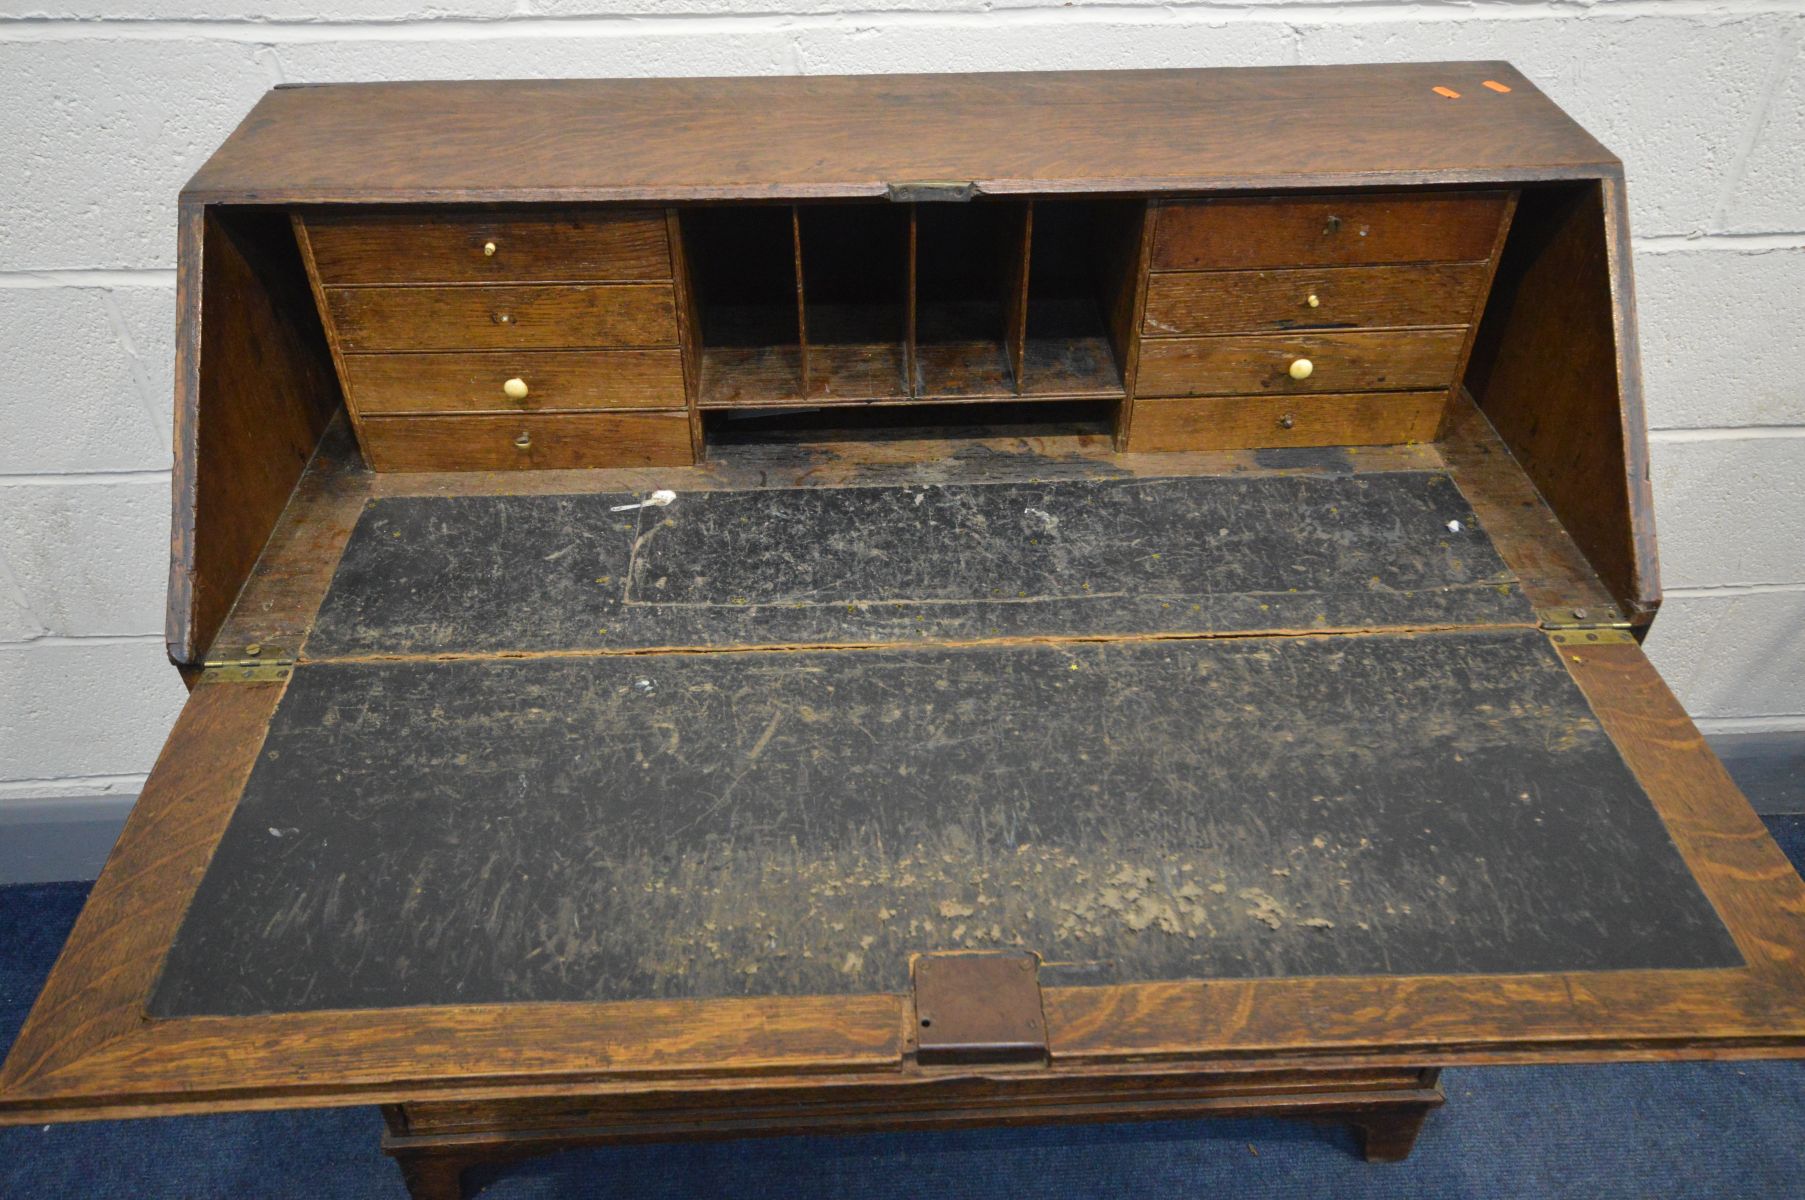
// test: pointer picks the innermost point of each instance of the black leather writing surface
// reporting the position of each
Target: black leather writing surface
(618, 826)
(881, 565)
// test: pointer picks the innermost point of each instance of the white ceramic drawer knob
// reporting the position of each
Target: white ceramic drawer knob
(488, 249)
(1301, 368)
(1312, 301)
(515, 389)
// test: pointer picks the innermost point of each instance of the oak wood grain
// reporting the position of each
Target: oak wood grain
(1205, 302)
(1251, 422)
(1237, 364)
(282, 594)
(1549, 565)
(925, 1093)
(518, 317)
(254, 391)
(1491, 272)
(305, 246)
(1284, 231)
(672, 140)
(529, 441)
(556, 380)
(1555, 368)
(451, 245)
(1386, 1107)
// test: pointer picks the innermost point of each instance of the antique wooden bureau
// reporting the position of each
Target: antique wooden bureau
(726, 607)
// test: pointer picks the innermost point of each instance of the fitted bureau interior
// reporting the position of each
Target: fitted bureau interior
(472, 339)
(466, 337)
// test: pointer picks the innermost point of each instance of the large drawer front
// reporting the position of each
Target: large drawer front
(553, 316)
(1204, 302)
(479, 382)
(1258, 422)
(527, 442)
(488, 246)
(1339, 362)
(1392, 227)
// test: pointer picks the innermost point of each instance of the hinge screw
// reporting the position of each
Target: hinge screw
(1579, 614)
(254, 649)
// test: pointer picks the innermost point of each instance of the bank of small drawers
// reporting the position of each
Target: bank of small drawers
(495, 340)
(1309, 320)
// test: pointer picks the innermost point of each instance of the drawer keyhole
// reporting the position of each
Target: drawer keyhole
(502, 318)
(524, 440)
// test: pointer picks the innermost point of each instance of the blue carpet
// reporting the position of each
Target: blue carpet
(1691, 1129)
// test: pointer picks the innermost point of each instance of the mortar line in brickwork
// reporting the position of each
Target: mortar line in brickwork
(88, 277)
(1726, 433)
(640, 26)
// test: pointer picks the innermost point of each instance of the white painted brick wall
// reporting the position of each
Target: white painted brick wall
(111, 104)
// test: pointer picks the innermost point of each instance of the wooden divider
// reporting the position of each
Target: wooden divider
(801, 298)
(911, 334)
(1015, 332)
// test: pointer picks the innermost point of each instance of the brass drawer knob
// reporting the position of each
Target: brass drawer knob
(502, 318)
(1301, 369)
(488, 249)
(1287, 421)
(1312, 301)
(524, 440)
(514, 389)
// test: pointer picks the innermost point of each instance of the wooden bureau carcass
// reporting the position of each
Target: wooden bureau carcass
(721, 607)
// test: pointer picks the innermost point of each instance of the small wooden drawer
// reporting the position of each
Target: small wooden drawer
(550, 316)
(493, 381)
(1385, 227)
(527, 442)
(1337, 362)
(488, 246)
(1193, 302)
(1256, 422)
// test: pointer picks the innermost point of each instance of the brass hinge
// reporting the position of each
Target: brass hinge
(1581, 618)
(1592, 637)
(257, 662)
(978, 1008)
(931, 191)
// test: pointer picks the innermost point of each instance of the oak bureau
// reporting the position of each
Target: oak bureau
(725, 607)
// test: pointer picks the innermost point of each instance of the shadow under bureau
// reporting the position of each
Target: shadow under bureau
(746, 606)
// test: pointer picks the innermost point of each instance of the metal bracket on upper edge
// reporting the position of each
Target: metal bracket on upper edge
(978, 1008)
(931, 191)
